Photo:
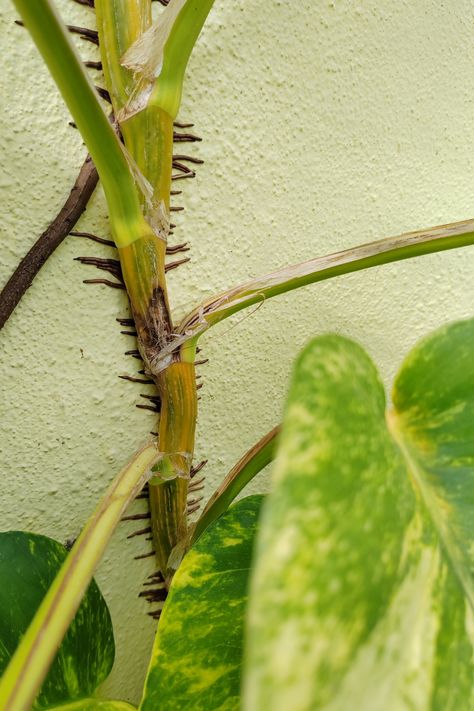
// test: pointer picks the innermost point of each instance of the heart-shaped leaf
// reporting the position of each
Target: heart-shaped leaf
(28, 566)
(362, 596)
(197, 656)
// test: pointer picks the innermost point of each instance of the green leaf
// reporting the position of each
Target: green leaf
(28, 566)
(197, 655)
(27, 669)
(94, 705)
(362, 592)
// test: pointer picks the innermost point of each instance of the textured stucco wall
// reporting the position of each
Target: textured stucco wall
(324, 127)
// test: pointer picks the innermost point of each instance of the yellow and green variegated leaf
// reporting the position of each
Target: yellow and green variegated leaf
(94, 705)
(197, 657)
(28, 565)
(362, 592)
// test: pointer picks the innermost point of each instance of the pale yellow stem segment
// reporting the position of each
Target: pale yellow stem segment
(29, 665)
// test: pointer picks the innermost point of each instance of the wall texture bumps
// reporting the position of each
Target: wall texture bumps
(324, 127)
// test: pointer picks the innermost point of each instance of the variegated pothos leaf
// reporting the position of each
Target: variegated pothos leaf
(197, 656)
(94, 705)
(362, 592)
(28, 565)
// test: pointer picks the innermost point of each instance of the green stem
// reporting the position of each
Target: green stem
(366, 256)
(120, 23)
(160, 56)
(186, 29)
(67, 70)
(239, 476)
(148, 135)
(168, 501)
(29, 665)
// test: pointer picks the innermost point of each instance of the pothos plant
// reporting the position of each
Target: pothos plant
(361, 590)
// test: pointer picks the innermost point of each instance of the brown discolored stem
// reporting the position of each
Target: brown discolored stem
(143, 270)
(28, 268)
(168, 501)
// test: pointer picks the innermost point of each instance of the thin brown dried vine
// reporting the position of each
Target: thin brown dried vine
(28, 268)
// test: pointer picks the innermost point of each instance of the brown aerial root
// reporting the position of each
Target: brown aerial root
(112, 266)
(60, 227)
(179, 163)
(174, 265)
(196, 469)
(136, 517)
(132, 379)
(94, 238)
(144, 493)
(196, 485)
(103, 93)
(85, 33)
(154, 595)
(150, 408)
(106, 282)
(186, 137)
(140, 532)
(183, 176)
(93, 65)
(175, 249)
(155, 614)
(194, 505)
(155, 592)
(180, 157)
(155, 402)
(144, 555)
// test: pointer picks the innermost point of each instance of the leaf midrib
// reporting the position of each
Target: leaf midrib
(443, 528)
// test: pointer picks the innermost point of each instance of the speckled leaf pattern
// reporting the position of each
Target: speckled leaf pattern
(362, 592)
(28, 566)
(196, 662)
(94, 705)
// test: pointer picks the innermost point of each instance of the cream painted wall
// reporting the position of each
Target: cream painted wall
(323, 127)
